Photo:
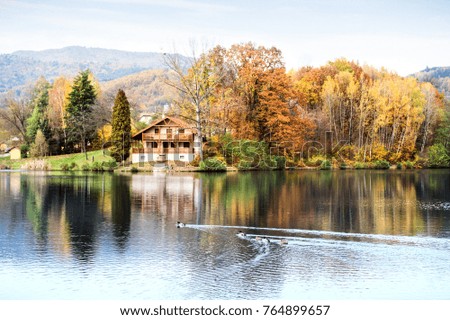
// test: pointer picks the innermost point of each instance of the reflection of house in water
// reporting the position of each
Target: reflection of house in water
(10, 184)
(175, 196)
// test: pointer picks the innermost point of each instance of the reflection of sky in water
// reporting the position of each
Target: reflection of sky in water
(106, 237)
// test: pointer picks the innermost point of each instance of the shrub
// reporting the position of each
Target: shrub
(348, 152)
(245, 165)
(85, 167)
(343, 166)
(301, 164)
(379, 152)
(408, 164)
(72, 165)
(381, 164)
(280, 162)
(24, 148)
(96, 166)
(315, 161)
(360, 165)
(420, 162)
(36, 165)
(437, 156)
(212, 164)
(109, 165)
(134, 170)
(196, 161)
(325, 165)
(399, 166)
(68, 166)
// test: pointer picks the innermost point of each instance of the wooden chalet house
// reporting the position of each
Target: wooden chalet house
(166, 139)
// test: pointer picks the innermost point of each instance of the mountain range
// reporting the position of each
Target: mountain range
(438, 76)
(24, 67)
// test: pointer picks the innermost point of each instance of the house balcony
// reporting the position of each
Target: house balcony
(167, 137)
(162, 151)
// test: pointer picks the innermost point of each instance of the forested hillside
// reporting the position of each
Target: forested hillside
(24, 67)
(438, 76)
(146, 90)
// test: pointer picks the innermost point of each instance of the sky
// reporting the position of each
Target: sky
(403, 36)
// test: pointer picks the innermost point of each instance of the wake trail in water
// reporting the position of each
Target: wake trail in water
(214, 232)
(298, 235)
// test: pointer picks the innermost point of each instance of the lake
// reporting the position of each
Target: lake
(351, 235)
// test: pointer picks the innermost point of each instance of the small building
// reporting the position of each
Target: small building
(146, 117)
(15, 153)
(166, 139)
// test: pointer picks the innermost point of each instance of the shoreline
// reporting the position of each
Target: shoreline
(229, 169)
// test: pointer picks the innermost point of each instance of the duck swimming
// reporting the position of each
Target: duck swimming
(241, 234)
(180, 224)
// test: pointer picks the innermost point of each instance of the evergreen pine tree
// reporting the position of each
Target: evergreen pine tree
(79, 122)
(39, 119)
(40, 146)
(121, 127)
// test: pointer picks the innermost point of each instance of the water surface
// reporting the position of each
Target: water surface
(351, 234)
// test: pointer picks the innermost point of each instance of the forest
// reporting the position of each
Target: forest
(244, 96)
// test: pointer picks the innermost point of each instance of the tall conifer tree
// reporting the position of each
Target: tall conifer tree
(78, 119)
(121, 127)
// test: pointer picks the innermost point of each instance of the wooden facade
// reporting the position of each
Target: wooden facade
(167, 139)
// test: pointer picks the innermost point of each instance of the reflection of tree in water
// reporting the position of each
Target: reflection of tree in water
(345, 201)
(240, 199)
(72, 200)
(121, 209)
(81, 208)
(36, 196)
(65, 211)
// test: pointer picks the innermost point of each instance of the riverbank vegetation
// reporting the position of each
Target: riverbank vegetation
(252, 114)
(97, 161)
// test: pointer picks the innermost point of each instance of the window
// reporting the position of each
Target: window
(172, 145)
(156, 130)
(165, 145)
(180, 130)
(186, 145)
(154, 145)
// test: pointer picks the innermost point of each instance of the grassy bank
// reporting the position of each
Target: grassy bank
(59, 162)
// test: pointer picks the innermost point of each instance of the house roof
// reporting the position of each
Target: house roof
(11, 149)
(179, 122)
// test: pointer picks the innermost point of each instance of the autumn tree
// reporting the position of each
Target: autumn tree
(196, 87)
(266, 107)
(443, 128)
(121, 128)
(433, 111)
(58, 96)
(80, 127)
(14, 114)
(378, 114)
(308, 82)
